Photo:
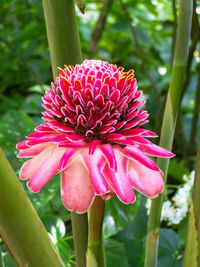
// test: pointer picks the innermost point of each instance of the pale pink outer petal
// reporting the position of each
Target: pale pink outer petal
(119, 181)
(32, 151)
(76, 189)
(47, 170)
(32, 165)
(134, 153)
(96, 163)
(156, 151)
(109, 156)
(66, 157)
(146, 181)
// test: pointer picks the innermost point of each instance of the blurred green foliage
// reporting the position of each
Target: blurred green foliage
(25, 74)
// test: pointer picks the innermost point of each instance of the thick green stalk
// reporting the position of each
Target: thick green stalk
(192, 251)
(62, 33)
(169, 122)
(20, 227)
(194, 124)
(80, 233)
(64, 45)
(95, 253)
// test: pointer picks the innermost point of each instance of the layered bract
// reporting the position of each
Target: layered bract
(92, 135)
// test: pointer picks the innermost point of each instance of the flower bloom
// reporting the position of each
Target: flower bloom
(92, 135)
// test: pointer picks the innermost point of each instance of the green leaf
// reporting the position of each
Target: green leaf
(54, 226)
(64, 251)
(169, 252)
(137, 229)
(118, 215)
(177, 170)
(134, 251)
(33, 104)
(8, 260)
(115, 253)
(14, 126)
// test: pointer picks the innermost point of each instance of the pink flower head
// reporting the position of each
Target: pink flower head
(92, 135)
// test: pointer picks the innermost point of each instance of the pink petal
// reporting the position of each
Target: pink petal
(42, 139)
(96, 163)
(139, 131)
(109, 156)
(146, 181)
(115, 136)
(134, 153)
(66, 157)
(59, 126)
(156, 151)
(32, 151)
(32, 165)
(141, 140)
(22, 145)
(126, 142)
(93, 146)
(72, 144)
(47, 170)
(119, 181)
(76, 190)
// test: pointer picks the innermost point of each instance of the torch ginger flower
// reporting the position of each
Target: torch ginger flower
(92, 135)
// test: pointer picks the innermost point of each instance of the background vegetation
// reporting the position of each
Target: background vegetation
(137, 35)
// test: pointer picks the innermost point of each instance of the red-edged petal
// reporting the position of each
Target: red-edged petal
(146, 181)
(93, 146)
(66, 157)
(22, 145)
(96, 163)
(136, 154)
(32, 165)
(76, 189)
(156, 151)
(119, 181)
(109, 156)
(47, 170)
(32, 151)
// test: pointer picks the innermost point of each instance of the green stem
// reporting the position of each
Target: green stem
(64, 45)
(194, 125)
(80, 230)
(62, 33)
(20, 227)
(169, 122)
(95, 253)
(192, 251)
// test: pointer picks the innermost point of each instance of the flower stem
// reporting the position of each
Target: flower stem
(192, 251)
(95, 253)
(80, 230)
(20, 227)
(169, 122)
(64, 45)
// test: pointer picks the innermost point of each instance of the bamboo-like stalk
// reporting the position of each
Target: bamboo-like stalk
(62, 33)
(95, 252)
(64, 45)
(192, 251)
(80, 233)
(20, 227)
(169, 122)
(194, 124)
